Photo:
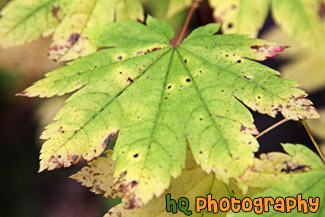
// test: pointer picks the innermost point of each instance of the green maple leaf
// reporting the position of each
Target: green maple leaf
(299, 172)
(159, 98)
(26, 20)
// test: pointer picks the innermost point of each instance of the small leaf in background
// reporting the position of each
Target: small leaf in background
(276, 165)
(70, 40)
(300, 172)
(99, 175)
(240, 16)
(23, 21)
(300, 19)
(159, 99)
(26, 20)
(309, 184)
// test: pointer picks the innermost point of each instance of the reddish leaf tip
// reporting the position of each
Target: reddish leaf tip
(274, 51)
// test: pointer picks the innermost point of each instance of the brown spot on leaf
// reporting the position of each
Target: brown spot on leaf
(109, 138)
(295, 168)
(73, 38)
(54, 12)
(97, 189)
(127, 187)
(322, 10)
(155, 48)
(296, 107)
(61, 130)
(134, 183)
(149, 50)
(258, 47)
(120, 182)
(54, 47)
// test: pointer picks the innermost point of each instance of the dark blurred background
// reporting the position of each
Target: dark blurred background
(52, 194)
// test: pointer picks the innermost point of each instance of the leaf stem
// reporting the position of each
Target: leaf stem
(271, 128)
(188, 19)
(304, 123)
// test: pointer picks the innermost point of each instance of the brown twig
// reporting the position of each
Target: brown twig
(188, 19)
(271, 128)
(321, 154)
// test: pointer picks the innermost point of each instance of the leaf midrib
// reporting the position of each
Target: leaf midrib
(205, 106)
(157, 114)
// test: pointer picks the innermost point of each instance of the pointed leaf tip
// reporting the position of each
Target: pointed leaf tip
(268, 50)
(54, 157)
